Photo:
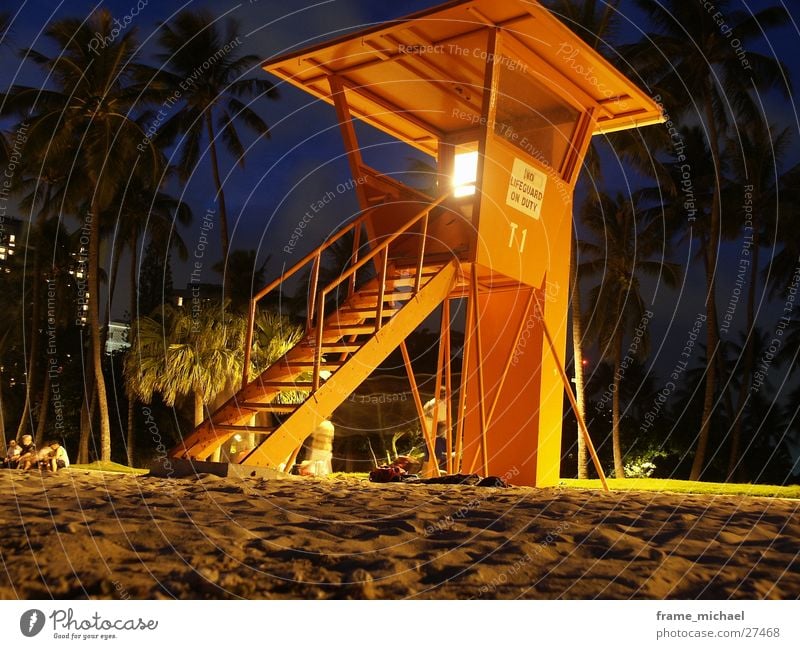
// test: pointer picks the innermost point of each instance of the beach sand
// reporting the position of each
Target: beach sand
(81, 534)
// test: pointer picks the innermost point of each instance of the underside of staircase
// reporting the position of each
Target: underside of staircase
(336, 354)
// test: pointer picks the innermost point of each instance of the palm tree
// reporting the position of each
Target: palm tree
(596, 22)
(242, 265)
(273, 335)
(689, 60)
(180, 354)
(85, 122)
(756, 156)
(631, 247)
(139, 212)
(212, 106)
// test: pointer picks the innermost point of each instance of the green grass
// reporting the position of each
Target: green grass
(111, 467)
(687, 487)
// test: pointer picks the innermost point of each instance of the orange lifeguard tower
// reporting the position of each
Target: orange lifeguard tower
(505, 98)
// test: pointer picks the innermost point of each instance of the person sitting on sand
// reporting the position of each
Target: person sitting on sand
(12, 455)
(437, 407)
(27, 454)
(43, 456)
(55, 457)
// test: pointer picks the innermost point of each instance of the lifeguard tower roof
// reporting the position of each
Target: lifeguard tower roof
(422, 76)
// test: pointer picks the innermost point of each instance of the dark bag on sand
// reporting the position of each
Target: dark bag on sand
(472, 479)
(386, 474)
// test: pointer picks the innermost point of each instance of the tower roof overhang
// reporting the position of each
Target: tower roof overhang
(421, 76)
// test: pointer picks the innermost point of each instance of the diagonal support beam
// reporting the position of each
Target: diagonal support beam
(276, 449)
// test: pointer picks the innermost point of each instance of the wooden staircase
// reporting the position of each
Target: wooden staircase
(338, 352)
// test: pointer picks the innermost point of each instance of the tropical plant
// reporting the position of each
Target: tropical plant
(201, 62)
(242, 265)
(180, 354)
(756, 155)
(82, 123)
(139, 213)
(628, 246)
(690, 62)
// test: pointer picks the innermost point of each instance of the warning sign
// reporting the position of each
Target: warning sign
(526, 188)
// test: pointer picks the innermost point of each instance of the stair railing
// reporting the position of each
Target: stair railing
(316, 301)
(381, 250)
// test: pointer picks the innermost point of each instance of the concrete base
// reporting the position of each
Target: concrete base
(180, 468)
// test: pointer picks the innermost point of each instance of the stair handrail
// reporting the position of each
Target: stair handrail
(382, 247)
(316, 256)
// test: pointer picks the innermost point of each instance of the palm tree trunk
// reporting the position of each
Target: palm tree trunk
(43, 408)
(94, 323)
(619, 467)
(34, 345)
(735, 468)
(87, 420)
(131, 429)
(198, 408)
(223, 211)
(2, 421)
(577, 355)
(712, 332)
(133, 318)
(35, 315)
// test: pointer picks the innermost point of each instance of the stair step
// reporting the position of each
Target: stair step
(310, 363)
(284, 408)
(369, 312)
(345, 330)
(333, 348)
(388, 296)
(287, 385)
(245, 429)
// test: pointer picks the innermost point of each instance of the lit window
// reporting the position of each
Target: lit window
(465, 173)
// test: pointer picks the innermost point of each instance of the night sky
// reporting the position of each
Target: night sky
(304, 157)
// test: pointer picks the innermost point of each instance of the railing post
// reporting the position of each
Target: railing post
(318, 348)
(418, 279)
(248, 341)
(313, 290)
(351, 288)
(381, 291)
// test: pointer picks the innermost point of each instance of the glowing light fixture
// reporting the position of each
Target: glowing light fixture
(465, 173)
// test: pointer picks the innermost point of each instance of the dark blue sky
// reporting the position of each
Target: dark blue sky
(304, 159)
